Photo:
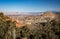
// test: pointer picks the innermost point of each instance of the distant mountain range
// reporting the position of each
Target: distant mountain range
(29, 13)
(23, 13)
(55, 11)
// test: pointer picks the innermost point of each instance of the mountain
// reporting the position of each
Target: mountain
(23, 13)
(32, 17)
(56, 12)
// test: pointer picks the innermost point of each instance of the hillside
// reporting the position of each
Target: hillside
(36, 18)
(43, 26)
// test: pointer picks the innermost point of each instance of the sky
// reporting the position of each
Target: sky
(29, 5)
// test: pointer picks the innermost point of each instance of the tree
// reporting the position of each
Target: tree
(6, 27)
(1, 14)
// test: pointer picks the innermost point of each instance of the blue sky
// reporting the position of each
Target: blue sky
(29, 5)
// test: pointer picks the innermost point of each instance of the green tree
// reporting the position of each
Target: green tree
(1, 14)
(6, 27)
